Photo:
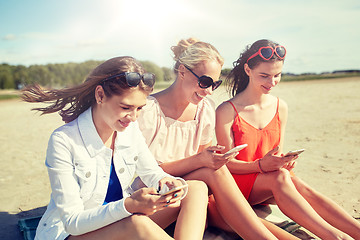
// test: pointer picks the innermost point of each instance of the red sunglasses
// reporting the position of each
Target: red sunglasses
(267, 52)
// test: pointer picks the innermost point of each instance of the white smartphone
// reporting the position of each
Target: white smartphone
(294, 153)
(236, 149)
(175, 189)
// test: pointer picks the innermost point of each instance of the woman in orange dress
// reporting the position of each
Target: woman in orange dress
(256, 118)
(258, 140)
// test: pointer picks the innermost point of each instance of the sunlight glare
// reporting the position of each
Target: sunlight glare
(155, 15)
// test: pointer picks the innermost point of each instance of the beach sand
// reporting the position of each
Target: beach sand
(324, 118)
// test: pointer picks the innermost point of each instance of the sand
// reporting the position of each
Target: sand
(324, 118)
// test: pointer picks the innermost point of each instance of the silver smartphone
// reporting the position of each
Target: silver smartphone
(294, 153)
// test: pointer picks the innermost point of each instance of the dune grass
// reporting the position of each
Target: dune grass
(8, 96)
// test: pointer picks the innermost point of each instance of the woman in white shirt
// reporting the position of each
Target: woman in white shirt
(178, 124)
(94, 157)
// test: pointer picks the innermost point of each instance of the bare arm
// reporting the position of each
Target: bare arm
(225, 115)
(207, 156)
(183, 166)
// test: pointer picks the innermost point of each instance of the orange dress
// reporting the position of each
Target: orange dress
(260, 142)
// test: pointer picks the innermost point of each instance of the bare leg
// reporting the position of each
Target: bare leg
(231, 204)
(215, 219)
(279, 185)
(191, 219)
(328, 209)
(278, 232)
(137, 227)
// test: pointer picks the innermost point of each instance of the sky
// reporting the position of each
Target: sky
(319, 35)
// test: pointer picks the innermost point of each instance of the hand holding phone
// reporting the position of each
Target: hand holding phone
(173, 190)
(294, 153)
(236, 149)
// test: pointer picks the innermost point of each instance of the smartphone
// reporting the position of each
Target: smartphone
(175, 189)
(236, 149)
(294, 153)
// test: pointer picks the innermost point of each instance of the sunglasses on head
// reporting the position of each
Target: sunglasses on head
(267, 52)
(133, 78)
(205, 81)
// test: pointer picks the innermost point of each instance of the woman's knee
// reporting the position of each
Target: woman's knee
(211, 177)
(277, 178)
(214, 174)
(197, 189)
(209, 173)
(137, 226)
(142, 227)
(197, 186)
(282, 176)
(140, 223)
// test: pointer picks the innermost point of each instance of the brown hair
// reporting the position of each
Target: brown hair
(71, 102)
(191, 52)
(238, 80)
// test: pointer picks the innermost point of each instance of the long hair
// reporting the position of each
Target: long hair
(192, 52)
(71, 102)
(238, 80)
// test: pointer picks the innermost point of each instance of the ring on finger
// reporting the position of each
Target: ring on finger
(168, 201)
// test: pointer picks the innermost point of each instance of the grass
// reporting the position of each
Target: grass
(162, 85)
(8, 96)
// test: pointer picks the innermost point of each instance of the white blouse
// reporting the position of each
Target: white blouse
(169, 139)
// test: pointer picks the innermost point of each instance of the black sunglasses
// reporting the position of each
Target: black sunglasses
(133, 78)
(205, 81)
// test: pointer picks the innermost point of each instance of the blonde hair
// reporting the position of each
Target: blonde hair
(192, 52)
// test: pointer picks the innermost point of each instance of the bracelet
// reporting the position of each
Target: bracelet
(260, 169)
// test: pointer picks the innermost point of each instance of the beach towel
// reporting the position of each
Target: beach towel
(28, 227)
(269, 212)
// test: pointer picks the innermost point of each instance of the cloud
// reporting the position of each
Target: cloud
(9, 37)
(320, 36)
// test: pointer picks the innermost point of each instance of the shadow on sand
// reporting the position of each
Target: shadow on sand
(9, 229)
